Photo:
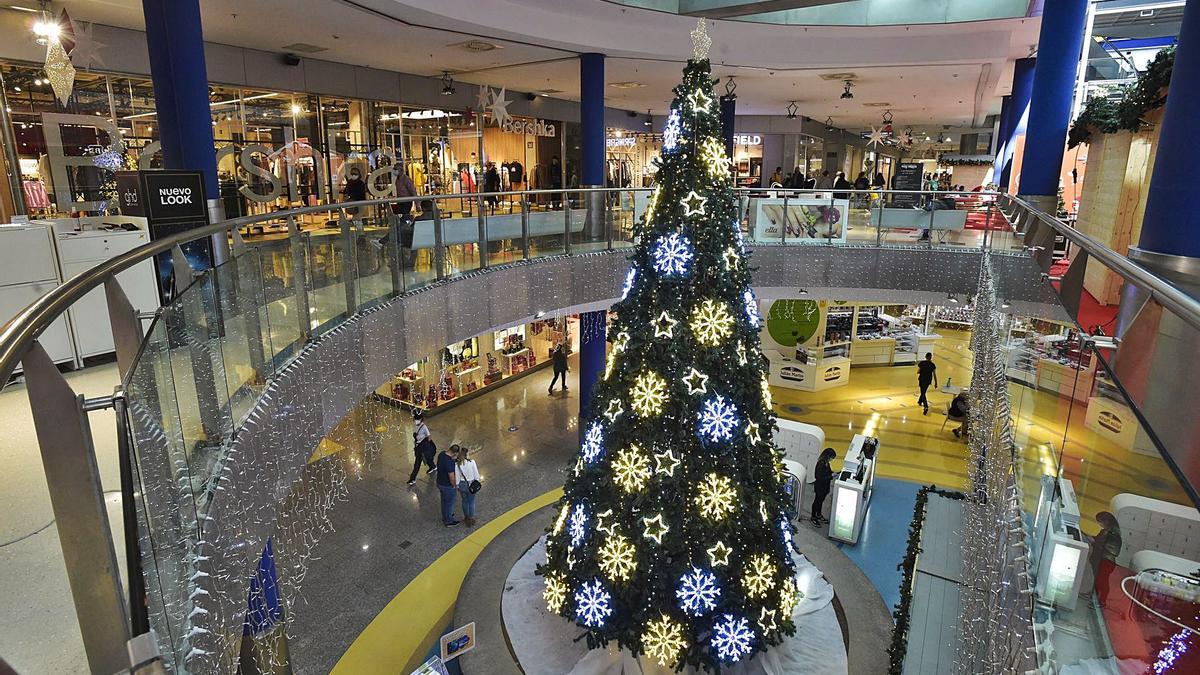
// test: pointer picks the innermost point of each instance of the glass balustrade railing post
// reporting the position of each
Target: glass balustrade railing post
(610, 218)
(783, 221)
(929, 233)
(349, 262)
(483, 236)
(878, 219)
(298, 245)
(566, 207)
(439, 249)
(524, 228)
(394, 253)
(828, 230)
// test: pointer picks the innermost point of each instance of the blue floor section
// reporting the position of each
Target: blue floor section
(880, 547)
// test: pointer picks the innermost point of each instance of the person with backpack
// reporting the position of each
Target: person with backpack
(423, 447)
(469, 483)
(559, 357)
(447, 469)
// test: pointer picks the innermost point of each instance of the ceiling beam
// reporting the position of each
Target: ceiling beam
(731, 9)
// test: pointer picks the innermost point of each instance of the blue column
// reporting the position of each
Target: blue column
(591, 117)
(175, 42)
(1022, 89)
(263, 608)
(728, 119)
(593, 328)
(1001, 140)
(1172, 222)
(1060, 44)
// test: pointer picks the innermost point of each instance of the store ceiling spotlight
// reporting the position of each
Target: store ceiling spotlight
(791, 110)
(447, 83)
(649, 121)
(829, 124)
(847, 94)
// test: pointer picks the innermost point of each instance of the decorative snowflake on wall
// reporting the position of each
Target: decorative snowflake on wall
(630, 277)
(718, 419)
(731, 638)
(671, 132)
(649, 393)
(759, 576)
(663, 640)
(617, 558)
(711, 322)
(593, 604)
(672, 255)
(631, 469)
(752, 314)
(577, 525)
(697, 591)
(593, 443)
(555, 593)
(715, 497)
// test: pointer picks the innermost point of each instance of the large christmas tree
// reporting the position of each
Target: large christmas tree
(671, 537)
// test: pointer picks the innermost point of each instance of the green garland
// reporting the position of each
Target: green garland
(1108, 117)
(899, 647)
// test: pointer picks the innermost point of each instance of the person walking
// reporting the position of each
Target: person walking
(776, 178)
(926, 375)
(469, 483)
(823, 480)
(355, 190)
(423, 447)
(447, 469)
(824, 182)
(559, 358)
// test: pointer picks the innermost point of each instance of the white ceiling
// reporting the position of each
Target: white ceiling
(931, 75)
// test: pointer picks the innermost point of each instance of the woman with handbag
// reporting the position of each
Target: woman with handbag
(469, 484)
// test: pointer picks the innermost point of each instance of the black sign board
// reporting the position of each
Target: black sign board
(908, 177)
(172, 202)
(129, 193)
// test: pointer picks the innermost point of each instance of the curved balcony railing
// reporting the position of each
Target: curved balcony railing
(192, 377)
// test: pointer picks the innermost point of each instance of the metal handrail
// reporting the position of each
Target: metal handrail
(19, 332)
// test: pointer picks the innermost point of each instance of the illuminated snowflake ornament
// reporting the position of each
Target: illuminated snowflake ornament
(698, 591)
(577, 525)
(663, 640)
(752, 314)
(631, 469)
(759, 576)
(630, 277)
(617, 558)
(718, 419)
(711, 322)
(715, 497)
(593, 443)
(672, 255)
(671, 132)
(789, 597)
(649, 394)
(593, 604)
(731, 638)
(555, 593)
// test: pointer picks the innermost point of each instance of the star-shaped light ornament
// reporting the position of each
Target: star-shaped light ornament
(732, 259)
(876, 137)
(766, 620)
(752, 432)
(87, 48)
(693, 204)
(656, 528)
(664, 325)
(719, 554)
(666, 462)
(697, 382)
(483, 99)
(499, 108)
(701, 42)
(741, 354)
(700, 101)
(604, 523)
(619, 345)
(614, 410)
(59, 71)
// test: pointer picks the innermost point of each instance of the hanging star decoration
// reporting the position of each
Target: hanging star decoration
(59, 71)
(719, 554)
(876, 137)
(700, 100)
(87, 47)
(664, 325)
(701, 42)
(666, 462)
(697, 382)
(618, 346)
(693, 204)
(499, 108)
(483, 100)
(604, 523)
(766, 620)
(655, 528)
(614, 410)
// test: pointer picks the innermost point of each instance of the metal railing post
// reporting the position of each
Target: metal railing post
(483, 236)
(878, 220)
(248, 301)
(524, 228)
(783, 224)
(297, 244)
(439, 248)
(139, 618)
(349, 263)
(610, 218)
(394, 253)
(566, 202)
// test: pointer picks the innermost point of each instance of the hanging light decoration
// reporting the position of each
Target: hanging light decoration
(649, 121)
(829, 124)
(447, 83)
(791, 110)
(847, 94)
(730, 90)
(887, 123)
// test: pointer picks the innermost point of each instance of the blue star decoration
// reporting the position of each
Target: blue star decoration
(718, 419)
(593, 604)
(672, 255)
(698, 591)
(731, 638)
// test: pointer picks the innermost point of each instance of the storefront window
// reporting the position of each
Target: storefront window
(631, 158)
(747, 159)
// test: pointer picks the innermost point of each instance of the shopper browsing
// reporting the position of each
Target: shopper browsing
(959, 409)
(423, 447)
(559, 357)
(926, 375)
(776, 178)
(447, 469)
(469, 483)
(823, 479)
(824, 182)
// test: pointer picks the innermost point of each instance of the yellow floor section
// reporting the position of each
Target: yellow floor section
(412, 622)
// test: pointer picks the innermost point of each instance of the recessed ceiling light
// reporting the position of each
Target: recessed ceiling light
(476, 45)
(626, 85)
(23, 9)
(303, 47)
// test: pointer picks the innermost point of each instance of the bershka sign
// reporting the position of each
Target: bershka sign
(528, 127)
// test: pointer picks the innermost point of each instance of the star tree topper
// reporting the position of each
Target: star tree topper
(701, 43)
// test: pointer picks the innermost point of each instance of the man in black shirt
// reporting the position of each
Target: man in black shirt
(926, 375)
(445, 481)
(559, 357)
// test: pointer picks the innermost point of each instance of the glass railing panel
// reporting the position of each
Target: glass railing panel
(373, 262)
(461, 234)
(281, 264)
(327, 273)
(245, 349)
(624, 211)
(502, 226)
(547, 225)
(587, 223)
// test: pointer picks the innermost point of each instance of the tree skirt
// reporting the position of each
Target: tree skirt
(547, 644)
